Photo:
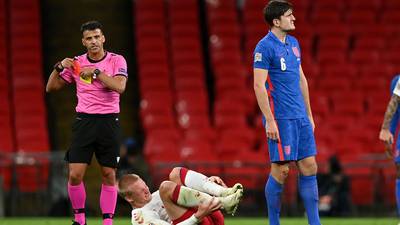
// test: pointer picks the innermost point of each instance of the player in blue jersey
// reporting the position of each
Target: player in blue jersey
(282, 95)
(389, 127)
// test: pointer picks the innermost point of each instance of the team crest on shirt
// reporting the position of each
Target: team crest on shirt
(296, 51)
(257, 57)
(287, 149)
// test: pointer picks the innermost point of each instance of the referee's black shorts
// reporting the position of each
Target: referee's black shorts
(95, 133)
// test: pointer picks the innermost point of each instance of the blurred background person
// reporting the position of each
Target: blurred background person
(334, 190)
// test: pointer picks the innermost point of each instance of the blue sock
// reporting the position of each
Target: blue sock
(398, 195)
(273, 191)
(308, 189)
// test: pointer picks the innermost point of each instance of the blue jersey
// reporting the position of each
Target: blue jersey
(395, 120)
(282, 60)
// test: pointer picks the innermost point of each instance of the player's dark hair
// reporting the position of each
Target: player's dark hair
(91, 25)
(275, 9)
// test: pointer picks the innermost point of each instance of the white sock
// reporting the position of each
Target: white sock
(191, 198)
(201, 183)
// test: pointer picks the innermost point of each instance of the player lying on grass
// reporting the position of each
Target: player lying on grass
(187, 198)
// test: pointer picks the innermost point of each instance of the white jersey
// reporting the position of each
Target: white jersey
(153, 210)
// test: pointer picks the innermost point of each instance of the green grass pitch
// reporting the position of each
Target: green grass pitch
(229, 221)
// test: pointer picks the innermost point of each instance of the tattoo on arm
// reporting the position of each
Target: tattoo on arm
(390, 110)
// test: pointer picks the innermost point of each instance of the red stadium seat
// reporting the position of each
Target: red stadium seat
(391, 16)
(157, 146)
(147, 5)
(229, 121)
(188, 106)
(254, 5)
(151, 30)
(246, 135)
(340, 30)
(193, 121)
(331, 57)
(364, 56)
(366, 83)
(154, 83)
(232, 83)
(224, 30)
(151, 44)
(226, 43)
(391, 4)
(185, 44)
(377, 102)
(199, 155)
(227, 107)
(333, 43)
(339, 122)
(362, 17)
(149, 17)
(190, 83)
(182, 5)
(145, 70)
(174, 135)
(222, 16)
(361, 184)
(370, 43)
(186, 70)
(243, 97)
(391, 57)
(320, 105)
(348, 103)
(383, 70)
(364, 5)
(158, 121)
(184, 31)
(228, 57)
(328, 16)
(337, 5)
(209, 134)
(389, 183)
(334, 84)
(345, 70)
(179, 16)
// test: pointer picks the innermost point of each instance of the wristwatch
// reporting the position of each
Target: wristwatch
(58, 67)
(96, 72)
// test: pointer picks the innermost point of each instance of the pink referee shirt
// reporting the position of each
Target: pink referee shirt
(93, 96)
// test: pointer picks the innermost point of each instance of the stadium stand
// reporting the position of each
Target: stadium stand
(345, 56)
(341, 52)
(6, 127)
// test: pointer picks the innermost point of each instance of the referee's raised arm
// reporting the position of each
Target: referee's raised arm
(55, 82)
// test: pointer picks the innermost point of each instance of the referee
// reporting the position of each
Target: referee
(100, 77)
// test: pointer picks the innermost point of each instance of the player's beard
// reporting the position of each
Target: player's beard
(289, 29)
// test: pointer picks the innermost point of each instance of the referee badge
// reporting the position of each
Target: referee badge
(258, 57)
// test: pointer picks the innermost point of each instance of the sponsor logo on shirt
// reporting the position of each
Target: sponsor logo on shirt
(258, 57)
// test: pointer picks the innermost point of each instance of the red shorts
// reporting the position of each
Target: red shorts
(215, 218)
